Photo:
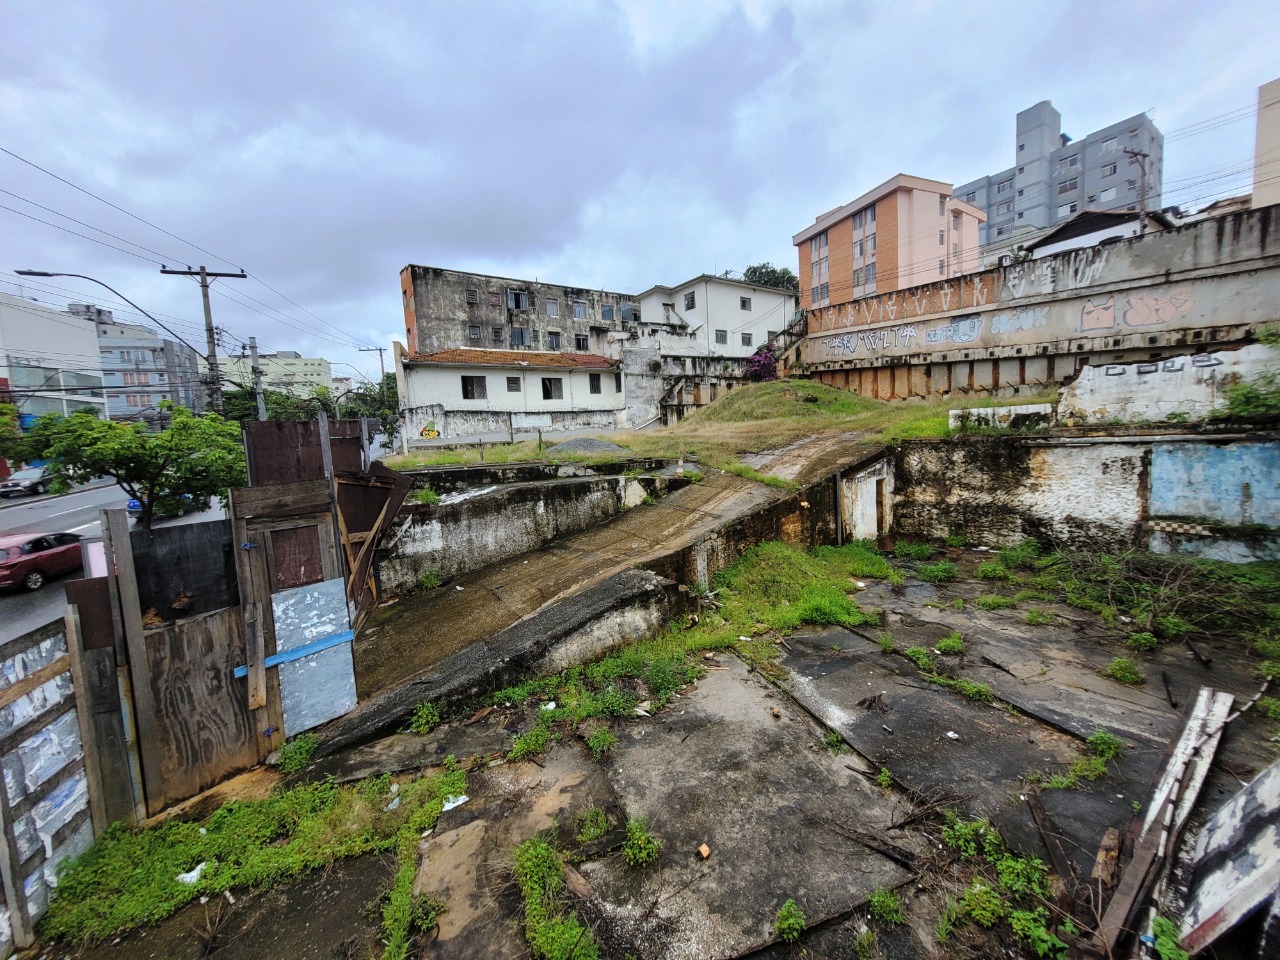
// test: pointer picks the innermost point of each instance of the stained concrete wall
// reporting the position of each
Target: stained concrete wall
(867, 501)
(472, 529)
(1187, 385)
(1112, 493)
(1201, 285)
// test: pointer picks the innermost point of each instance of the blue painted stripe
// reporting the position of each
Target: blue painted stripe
(315, 646)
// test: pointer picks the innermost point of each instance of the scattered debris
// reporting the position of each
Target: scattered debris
(952, 735)
(192, 875)
(704, 851)
(451, 802)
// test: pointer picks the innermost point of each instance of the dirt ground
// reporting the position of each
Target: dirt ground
(738, 762)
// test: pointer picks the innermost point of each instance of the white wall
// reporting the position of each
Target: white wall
(43, 339)
(1089, 239)
(717, 307)
(426, 386)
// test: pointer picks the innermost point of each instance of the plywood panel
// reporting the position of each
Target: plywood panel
(295, 557)
(186, 570)
(202, 712)
(282, 452)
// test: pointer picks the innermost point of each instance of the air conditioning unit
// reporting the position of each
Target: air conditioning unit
(1006, 260)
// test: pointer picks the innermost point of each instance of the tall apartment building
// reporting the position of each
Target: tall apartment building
(140, 368)
(50, 360)
(1119, 167)
(1266, 147)
(905, 232)
(284, 370)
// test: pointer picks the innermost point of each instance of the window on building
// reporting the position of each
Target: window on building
(553, 339)
(722, 336)
(473, 332)
(871, 273)
(773, 336)
(971, 197)
(942, 206)
(1019, 193)
(513, 384)
(617, 383)
(942, 267)
(1066, 186)
(690, 300)
(1021, 147)
(1068, 163)
(1019, 214)
(955, 248)
(606, 313)
(824, 293)
(857, 276)
(497, 334)
(1004, 207)
(517, 300)
(823, 267)
(871, 215)
(1066, 209)
(942, 238)
(1107, 195)
(871, 244)
(1133, 131)
(1108, 169)
(473, 296)
(533, 335)
(857, 248)
(746, 337)
(744, 303)
(126, 355)
(552, 388)
(581, 341)
(519, 336)
(553, 308)
(475, 388)
(1001, 231)
(1109, 145)
(857, 220)
(1004, 186)
(593, 382)
(813, 296)
(495, 298)
(579, 310)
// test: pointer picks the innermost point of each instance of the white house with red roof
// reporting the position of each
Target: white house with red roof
(465, 393)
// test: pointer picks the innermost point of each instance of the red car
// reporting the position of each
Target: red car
(30, 559)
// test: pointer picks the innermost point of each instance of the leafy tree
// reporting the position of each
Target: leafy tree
(197, 456)
(767, 275)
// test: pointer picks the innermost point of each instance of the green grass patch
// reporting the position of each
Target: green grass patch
(424, 494)
(951, 645)
(552, 929)
(1024, 556)
(920, 657)
(994, 601)
(428, 580)
(886, 906)
(940, 572)
(992, 570)
(1102, 747)
(913, 551)
(970, 689)
(296, 754)
(1123, 670)
(130, 878)
(425, 717)
(592, 825)
(601, 741)
(1146, 642)
(640, 849)
(1040, 618)
(885, 639)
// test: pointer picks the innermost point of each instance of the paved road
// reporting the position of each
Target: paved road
(76, 512)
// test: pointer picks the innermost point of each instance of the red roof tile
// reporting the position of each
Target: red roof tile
(511, 358)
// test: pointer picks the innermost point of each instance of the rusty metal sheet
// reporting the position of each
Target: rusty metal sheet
(282, 452)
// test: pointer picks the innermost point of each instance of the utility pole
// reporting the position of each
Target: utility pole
(382, 367)
(215, 378)
(257, 377)
(1140, 157)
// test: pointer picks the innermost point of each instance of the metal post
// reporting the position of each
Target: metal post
(257, 378)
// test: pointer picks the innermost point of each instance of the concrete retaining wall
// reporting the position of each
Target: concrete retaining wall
(473, 529)
(1170, 493)
(451, 479)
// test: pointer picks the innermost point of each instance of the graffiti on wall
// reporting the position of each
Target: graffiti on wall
(958, 330)
(1137, 311)
(972, 291)
(1024, 318)
(1067, 271)
(871, 341)
(1175, 365)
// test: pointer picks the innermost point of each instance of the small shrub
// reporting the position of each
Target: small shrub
(530, 744)
(592, 825)
(966, 688)
(885, 778)
(1171, 627)
(920, 657)
(640, 848)
(983, 903)
(957, 603)
(1146, 642)
(296, 754)
(954, 539)
(1269, 707)
(992, 601)
(833, 742)
(940, 572)
(885, 639)
(913, 551)
(601, 741)
(1105, 744)
(1031, 927)
(896, 578)
(424, 495)
(693, 476)
(1039, 618)
(1168, 943)
(428, 580)
(992, 570)
(886, 906)
(951, 645)
(789, 923)
(1022, 557)
(425, 717)
(963, 836)
(1122, 670)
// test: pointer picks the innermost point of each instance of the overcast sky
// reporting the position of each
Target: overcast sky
(323, 146)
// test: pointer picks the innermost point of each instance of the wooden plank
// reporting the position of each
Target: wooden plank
(203, 725)
(295, 557)
(282, 452)
(93, 596)
(144, 706)
(282, 499)
(1115, 922)
(270, 722)
(1062, 865)
(255, 655)
(1182, 752)
(15, 896)
(33, 680)
(84, 713)
(330, 562)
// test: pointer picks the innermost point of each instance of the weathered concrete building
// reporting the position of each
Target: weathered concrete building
(450, 310)
(1023, 327)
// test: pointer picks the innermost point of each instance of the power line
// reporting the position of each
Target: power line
(80, 222)
(82, 236)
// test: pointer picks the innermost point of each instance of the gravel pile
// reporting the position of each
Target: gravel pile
(586, 445)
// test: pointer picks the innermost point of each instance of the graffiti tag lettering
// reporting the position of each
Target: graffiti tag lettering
(1025, 318)
(1138, 311)
(958, 330)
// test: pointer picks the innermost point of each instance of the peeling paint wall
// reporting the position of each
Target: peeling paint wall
(1171, 494)
(867, 499)
(471, 529)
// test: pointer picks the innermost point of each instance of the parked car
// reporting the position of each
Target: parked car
(27, 480)
(168, 507)
(30, 559)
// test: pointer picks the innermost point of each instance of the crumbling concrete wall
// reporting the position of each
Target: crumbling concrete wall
(1186, 493)
(473, 529)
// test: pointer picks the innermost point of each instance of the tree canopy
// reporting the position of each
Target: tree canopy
(199, 457)
(368, 400)
(767, 275)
